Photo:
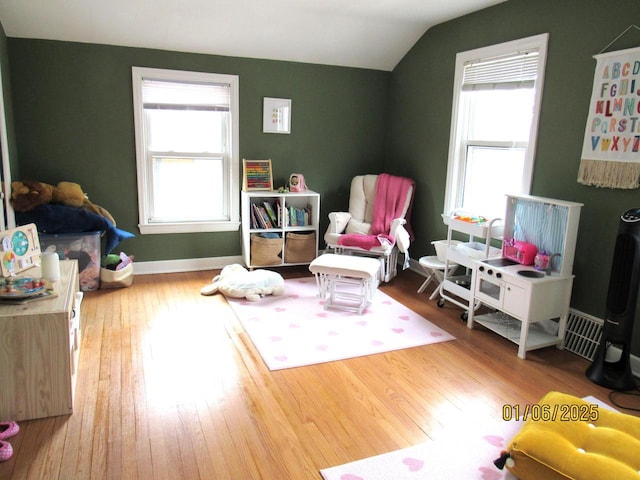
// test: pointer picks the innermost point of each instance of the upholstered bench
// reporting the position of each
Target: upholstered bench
(569, 438)
(349, 281)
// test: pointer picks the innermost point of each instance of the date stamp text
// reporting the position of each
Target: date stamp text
(551, 413)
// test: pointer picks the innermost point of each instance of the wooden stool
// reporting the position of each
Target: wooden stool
(435, 272)
(334, 273)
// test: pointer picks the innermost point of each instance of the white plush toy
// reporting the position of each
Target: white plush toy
(237, 282)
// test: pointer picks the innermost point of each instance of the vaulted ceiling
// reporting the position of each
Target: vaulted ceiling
(358, 33)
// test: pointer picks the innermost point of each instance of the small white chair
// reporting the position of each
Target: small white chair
(435, 266)
(435, 272)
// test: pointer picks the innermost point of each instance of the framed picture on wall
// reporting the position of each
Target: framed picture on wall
(276, 115)
(257, 175)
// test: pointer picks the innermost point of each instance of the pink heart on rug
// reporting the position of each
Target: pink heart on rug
(494, 440)
(281, 309)
(414, 464)
(294, 325)
(435, 334)
(281, 358)
(397, 330)
(324, 348)
(349, 476)
(362, 323)
(295, 295)
(254, 319)
(387, 302)
(377, 343)
(332, 333)
(321, 314)
(275, 339)
(489, 474)
(404, 317)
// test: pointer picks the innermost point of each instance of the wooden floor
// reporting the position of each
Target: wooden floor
(170, 387)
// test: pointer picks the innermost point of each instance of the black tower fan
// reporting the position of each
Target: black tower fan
(621, 307)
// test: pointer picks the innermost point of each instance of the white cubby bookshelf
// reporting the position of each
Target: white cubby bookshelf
(290, 213)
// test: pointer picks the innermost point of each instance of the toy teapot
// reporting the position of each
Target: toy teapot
(541, 260)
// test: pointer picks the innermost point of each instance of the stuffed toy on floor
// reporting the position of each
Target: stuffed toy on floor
(235, 281)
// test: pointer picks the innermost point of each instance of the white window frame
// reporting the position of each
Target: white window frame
(143, 165)
(457, 144)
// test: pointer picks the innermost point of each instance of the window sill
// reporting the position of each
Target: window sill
(160, 228)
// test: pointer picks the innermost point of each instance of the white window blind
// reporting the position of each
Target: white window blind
(512, 71)
(160, 94)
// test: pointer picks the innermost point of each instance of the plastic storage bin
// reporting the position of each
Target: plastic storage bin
(84, 247)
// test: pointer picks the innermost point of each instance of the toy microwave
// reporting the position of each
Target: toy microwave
(521, 252)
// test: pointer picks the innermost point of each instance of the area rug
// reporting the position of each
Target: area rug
(294, 329)
(464, 452)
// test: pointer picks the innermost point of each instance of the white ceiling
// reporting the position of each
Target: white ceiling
(358, 33)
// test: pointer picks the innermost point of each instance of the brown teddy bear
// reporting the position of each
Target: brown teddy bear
(29, 194)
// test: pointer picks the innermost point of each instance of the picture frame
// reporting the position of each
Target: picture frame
(257, 175)
(276, 115)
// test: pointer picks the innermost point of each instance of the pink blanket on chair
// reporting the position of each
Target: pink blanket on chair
(388, 204)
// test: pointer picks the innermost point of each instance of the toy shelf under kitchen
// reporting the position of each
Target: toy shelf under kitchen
(528, 306)
(456, 285)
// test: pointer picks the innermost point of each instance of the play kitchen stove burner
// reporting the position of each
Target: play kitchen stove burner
(500, 262)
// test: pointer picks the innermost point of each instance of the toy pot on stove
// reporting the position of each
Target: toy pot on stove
(542, 260)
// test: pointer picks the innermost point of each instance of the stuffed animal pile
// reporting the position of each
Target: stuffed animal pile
(28, 194)
(235, 281)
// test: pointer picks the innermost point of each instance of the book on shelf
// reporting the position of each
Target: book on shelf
(299, 217)
(272, 214)
(261, 216)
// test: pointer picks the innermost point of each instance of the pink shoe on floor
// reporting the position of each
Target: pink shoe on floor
(8, 429)
(6, 450)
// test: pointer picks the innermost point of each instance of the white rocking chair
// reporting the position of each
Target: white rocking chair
(358, 220)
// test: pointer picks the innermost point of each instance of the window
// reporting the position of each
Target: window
(186, 150)
(496, 102)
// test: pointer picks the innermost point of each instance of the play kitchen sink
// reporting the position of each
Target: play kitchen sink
(530, 273)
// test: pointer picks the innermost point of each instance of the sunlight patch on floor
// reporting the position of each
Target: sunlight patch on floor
(187, 357)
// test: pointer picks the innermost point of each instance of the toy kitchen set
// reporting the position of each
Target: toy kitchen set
(526, 284)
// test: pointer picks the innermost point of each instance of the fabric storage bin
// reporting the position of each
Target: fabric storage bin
(116, 278)
(83, 247)
(299, 247)
(265, 251)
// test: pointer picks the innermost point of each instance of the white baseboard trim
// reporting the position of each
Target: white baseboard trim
(184, 265)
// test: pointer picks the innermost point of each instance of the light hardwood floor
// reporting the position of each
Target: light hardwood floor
(170, 387)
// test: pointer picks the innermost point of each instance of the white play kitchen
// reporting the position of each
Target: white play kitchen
(527, 284)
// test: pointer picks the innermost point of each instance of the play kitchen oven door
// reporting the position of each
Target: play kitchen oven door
(489, 286)
(497, 289)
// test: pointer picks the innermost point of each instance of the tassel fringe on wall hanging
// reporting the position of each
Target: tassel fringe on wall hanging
(611, 148)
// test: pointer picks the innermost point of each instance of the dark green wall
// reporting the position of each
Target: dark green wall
(420, 116)
(74, 121)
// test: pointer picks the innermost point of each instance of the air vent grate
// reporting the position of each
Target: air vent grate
(583, 334)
